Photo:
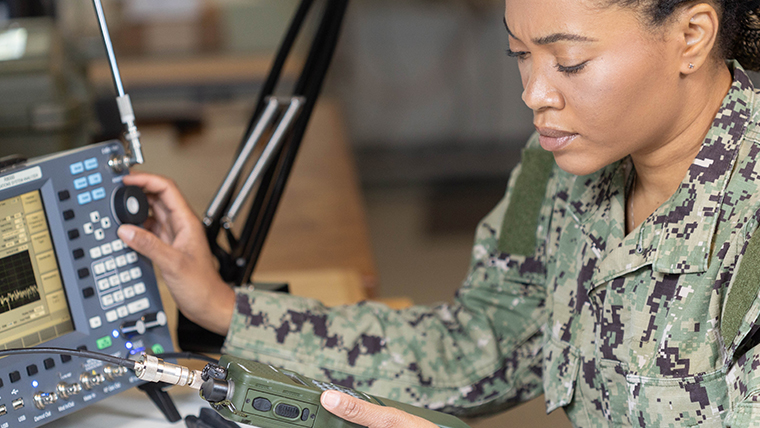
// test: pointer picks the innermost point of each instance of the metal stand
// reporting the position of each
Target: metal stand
(162, 400)
(284, 121)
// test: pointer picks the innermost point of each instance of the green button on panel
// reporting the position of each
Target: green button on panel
(104, 342)
(157, 348)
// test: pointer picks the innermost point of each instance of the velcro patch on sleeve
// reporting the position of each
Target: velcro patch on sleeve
(743, 293)
(518, 231)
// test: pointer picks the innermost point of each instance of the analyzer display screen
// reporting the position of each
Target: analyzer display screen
(33, 305)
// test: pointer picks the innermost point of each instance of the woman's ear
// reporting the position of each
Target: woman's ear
(698, 27)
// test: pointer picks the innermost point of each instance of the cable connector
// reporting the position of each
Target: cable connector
(153, 369)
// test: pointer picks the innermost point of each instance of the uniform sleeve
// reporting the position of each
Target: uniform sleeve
(477, 355)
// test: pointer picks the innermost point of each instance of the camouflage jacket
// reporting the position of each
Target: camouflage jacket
(619, 330)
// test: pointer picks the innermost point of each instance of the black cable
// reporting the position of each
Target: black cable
(187, 356)
(123, 362)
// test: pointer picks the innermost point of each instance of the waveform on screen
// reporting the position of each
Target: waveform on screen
(20, 297)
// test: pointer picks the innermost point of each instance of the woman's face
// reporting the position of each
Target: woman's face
(601, 84)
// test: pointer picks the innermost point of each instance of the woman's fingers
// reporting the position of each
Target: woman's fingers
(369, 415)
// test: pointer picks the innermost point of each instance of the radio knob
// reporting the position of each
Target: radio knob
(130, 205)
(132, 327)
(155, 319)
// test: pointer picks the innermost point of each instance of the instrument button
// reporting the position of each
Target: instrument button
(122, 311)
(99, 268)
(64, 195)
(121, 261)
(103, 343)
(98, 194)
(32, 370)
(105, 223)
(305, 414)
(73, 234)
(135, 272)
(95, 322)
(76, 168)
(65, 358)
(107, 300)
(138, 305)
(132, 257)
(100, 235)
(95, 253)
(117, 245)
(84, 198)
(94, 179)
(88, 292)
(110, 264)
(90, 164)
(49, 363)
(262, 404)
(15, 376)
(114, 280)
(68, 215)
(287, 411)
(129, 292)
(124, 277)
(83, 273)
(78, 253)
(139, 288)
(80, 183)
(118, 296)
(103, 284)
(112, 316)
(94, 216)
(88, 229)
(106, 248)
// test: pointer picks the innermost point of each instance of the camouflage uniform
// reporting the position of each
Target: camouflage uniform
(619, 330)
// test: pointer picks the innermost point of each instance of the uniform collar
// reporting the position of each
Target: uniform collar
(677, 237)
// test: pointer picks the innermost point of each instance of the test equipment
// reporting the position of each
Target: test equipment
(67, 280)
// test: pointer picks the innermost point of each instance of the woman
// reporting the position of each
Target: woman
(616, 276)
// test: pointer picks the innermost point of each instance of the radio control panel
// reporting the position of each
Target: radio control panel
(67, 280)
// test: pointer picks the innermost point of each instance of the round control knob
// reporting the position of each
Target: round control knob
(130, 205)
(132, 327)
(216, 390)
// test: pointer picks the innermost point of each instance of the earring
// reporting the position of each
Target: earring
(691, 66)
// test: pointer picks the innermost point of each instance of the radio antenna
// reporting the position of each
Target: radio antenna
(133, 154)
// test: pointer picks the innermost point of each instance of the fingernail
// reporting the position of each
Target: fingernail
(126, 233)
(331, 399)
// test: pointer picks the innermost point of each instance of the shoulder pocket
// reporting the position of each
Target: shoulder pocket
(561, 364)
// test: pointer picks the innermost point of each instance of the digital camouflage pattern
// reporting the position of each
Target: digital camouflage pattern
(618, 330)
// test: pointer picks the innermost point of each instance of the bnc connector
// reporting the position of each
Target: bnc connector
(91, 379)
(112, 372)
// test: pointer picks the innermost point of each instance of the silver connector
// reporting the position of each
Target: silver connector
(42, 399)
(91, 379)
(66, 390)
(134, 154)
(153, 369)
(112, 372)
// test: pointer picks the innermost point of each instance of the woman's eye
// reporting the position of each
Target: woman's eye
(571, 69)
(520, 55)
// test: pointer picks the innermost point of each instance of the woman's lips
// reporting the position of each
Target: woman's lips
(553, 139)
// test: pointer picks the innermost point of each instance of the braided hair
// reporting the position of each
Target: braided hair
(739, 36)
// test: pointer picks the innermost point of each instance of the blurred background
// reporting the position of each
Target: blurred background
(412, 142)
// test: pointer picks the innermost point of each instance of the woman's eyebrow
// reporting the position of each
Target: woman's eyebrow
(553, 38)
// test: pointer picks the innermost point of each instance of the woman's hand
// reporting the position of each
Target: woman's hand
(175, 241)
(369, 415)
